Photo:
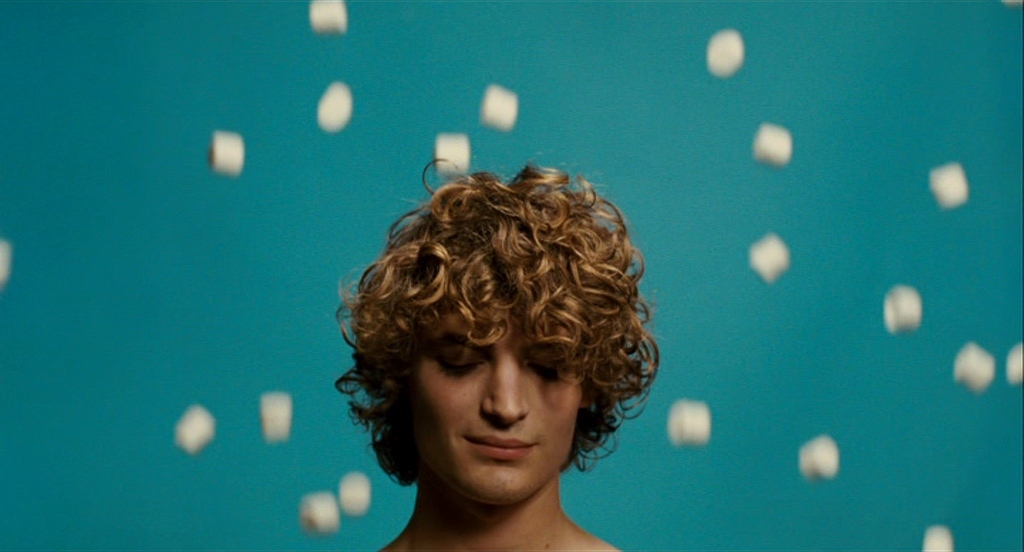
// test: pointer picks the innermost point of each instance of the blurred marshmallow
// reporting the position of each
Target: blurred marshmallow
(819, 458)
(318, 513)
(974, 368)
(773, 145)
(499, 108)
(328, 16)
(769, 257)
(1012, 3)
(949, 185)
(227, 153)
(451, 151)
(335, 108)
(1013, 365)
(5, 262)
(195, 429)
(938, 538)
(354, 493)
(689, 423)
(725, 53)
(902, 310)
(276, 416)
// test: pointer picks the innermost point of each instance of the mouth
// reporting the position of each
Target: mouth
(500, 449)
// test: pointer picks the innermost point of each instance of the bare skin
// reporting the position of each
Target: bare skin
(493, 427)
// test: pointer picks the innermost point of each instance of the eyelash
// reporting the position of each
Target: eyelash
(545, 372)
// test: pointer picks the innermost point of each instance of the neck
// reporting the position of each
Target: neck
(443, 519)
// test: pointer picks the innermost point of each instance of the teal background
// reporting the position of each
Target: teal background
(142, 282)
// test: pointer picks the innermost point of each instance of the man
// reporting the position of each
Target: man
(499, 339)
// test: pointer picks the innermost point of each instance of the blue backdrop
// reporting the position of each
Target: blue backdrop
(142, 282)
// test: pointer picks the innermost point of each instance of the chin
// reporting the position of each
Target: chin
(498, 489)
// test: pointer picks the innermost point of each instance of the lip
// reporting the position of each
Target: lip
(500, 449)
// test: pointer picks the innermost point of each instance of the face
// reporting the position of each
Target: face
(494, 424)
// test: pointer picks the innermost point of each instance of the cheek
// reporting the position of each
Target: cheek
(563, 404)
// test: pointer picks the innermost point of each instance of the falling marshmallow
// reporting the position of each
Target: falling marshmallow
(451, 151)
(902, 310)
(1013, 365)
(974, 368)
(499, 108)
(773, 145)
(769, 257)
(949, 185)
(689, 423)
(328, 16)
(195, 429)
(725, 53)
(5, 262)
(276, 416)
(938, 538)
(819, 458)
(318, 513)
(227, 153)
(1012, 3)
(335, 108)
(354, 493)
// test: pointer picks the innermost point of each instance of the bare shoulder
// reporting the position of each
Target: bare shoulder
(585, 541)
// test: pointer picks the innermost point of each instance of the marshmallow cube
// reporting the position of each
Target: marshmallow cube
(354, 494)
(335, 108)
(902, 310)
(195, 429)
(276, 416)
(725, 53)
(819, 458)
(328, 17)
(769, 257)
(1012, 3)
(949, 185)
(227, 153)
(773, 145)
(974, 368)
(689, 423)
(1013, 365)
(499, 108)
(5, 262)
(451, 151)
(938, 538)
(318, 513)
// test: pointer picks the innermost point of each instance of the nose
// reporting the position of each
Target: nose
(505, 402)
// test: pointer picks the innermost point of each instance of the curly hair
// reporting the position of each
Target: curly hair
(545, 251)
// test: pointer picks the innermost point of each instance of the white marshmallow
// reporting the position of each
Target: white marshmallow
(195, 429)
(6, 252)
(773, 145)
(949, 185)
(902, 310)
(354, 493)
(328, 16)
(769, 257)
(1012, 3)
(335, 108)
(689, 423)
(227, 153)
(974, 368)
(318, 513)
(725, 53)
(276, 416)
(451, 151)
(1013, 365)
(499, 108)
(819, 458)
(938, 538)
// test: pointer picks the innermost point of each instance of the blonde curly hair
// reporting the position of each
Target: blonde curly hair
(544, 250)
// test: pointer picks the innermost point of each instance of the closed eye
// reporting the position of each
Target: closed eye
(545, 372)
(456, 369)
